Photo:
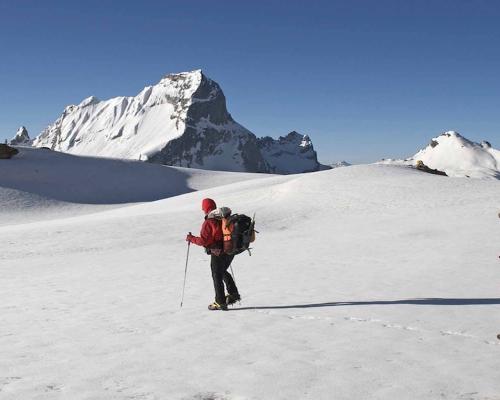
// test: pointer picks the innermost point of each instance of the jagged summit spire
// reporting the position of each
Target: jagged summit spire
(193, 77)
(21, 138)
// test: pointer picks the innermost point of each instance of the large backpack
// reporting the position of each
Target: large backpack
(238, 231)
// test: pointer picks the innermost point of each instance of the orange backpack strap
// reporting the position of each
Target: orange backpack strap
(226, 229)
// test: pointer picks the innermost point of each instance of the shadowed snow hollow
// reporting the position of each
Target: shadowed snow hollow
(39, 182)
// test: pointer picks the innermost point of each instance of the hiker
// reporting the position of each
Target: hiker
(211, 238)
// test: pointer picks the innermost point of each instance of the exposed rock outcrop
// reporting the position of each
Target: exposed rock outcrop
(7, 152)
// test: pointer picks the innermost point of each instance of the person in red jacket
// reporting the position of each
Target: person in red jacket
(211, 239)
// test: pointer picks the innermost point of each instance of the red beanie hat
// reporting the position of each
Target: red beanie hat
(208, 205)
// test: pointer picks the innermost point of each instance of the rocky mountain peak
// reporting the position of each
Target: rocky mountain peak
(182, 121)
(292, 153)
(21, 138)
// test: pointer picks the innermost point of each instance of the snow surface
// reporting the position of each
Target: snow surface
(40, 184)
(367, 282)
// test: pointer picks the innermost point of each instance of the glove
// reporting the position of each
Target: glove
(189, 237)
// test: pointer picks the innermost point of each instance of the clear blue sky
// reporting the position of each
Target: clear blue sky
(365, 79)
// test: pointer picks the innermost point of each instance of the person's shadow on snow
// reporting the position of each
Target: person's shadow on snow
(419, 302)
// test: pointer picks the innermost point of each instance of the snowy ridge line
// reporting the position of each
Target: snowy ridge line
(384, 324)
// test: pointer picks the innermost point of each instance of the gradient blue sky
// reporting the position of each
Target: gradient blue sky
(365, 79)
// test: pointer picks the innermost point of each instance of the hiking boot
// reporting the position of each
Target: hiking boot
(216, 306)
(232, 298)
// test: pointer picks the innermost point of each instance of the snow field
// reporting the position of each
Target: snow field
(367, 282)
(40, 184)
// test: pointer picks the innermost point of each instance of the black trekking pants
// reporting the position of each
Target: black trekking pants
(219, 265)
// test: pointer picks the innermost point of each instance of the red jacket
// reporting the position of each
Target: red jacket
(210, 234)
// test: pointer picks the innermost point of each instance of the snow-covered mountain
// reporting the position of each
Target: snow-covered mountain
(22, 138)
(293, 153)
(460, 157)
(181, 121)
(457, 156)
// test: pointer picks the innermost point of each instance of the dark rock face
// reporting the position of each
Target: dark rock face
(252, 156)
(192, 150)
(209, 102)
(293, 153)
(213, 140)
(212, 137)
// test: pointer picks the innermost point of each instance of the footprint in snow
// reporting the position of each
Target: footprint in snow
(6, 380)
(53, 388)
(207, 396)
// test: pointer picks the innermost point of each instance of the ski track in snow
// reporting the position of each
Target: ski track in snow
(384, 324)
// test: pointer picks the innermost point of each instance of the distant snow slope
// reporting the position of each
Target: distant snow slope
(367, 282)
(181, 121)
(458, 157)
(38, 183)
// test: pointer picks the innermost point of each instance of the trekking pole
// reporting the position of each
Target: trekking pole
(234, 278)
(185, 273)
